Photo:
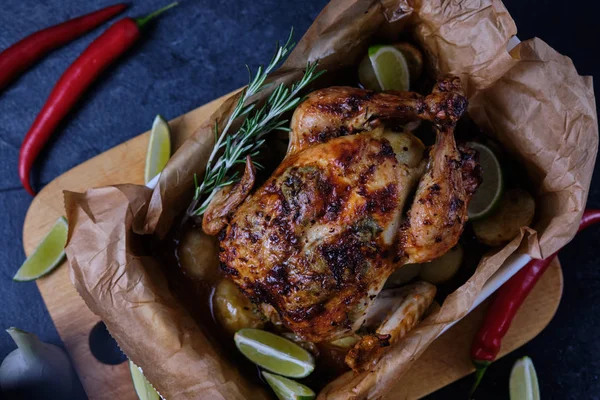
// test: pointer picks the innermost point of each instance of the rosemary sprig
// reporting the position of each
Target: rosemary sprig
(250, 136)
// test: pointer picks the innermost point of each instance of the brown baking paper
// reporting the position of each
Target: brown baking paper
(532, 101)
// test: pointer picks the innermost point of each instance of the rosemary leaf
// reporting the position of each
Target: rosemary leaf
(257, 122)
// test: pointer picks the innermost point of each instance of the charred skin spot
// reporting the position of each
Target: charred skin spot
(344, 259)
(326, 134)
(455, 211)
(228, 270)
(453, 164)
(294, 180)
(329, 108)
(402, 109)
(343, 131)
(347, 155)
(345, 107)
(386, 150)
(324, 186)
(322, 136)
(366, 175)
(470, 169)
(368, 95)
(258, 293)
(333, 209)
(348, 257)
(432, 193)
(383, 200)
(274, 238)
(271, 187)
(278, 279)
(448, 84)
(458, 104)
(456, 204)
(354, 103)
(447, 108)
(312, 194)
(305, 313)
(304, 194)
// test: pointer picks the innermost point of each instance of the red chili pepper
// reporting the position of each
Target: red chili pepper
(23, 54)
(506, 303)
(74, 82)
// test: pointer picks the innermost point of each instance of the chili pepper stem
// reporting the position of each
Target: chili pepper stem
(480, 368)
(142, 21)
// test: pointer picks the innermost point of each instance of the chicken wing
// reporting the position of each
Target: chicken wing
(340, 111)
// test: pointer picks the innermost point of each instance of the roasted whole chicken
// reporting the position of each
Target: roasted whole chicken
(351, 202)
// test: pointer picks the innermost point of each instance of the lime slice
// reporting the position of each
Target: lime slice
(488, 194)
(47, 255)
(287, 389)
(384, 68)
(274, 353)
(159, 148)
(142, 387)
(523, 381)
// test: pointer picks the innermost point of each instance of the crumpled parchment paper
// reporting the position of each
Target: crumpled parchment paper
(531, 100)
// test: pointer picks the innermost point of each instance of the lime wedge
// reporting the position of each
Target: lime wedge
(384, 68)
(274, 353)
(523, 381)
(47, 255)
(142, 387)
(159, 148)
(488, 194)
(287, 389)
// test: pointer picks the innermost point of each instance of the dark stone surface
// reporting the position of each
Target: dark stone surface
(196, 53)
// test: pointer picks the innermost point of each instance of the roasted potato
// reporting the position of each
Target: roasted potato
(403, 275)
(198, 255)
(414, 59)
(516, 210)
(442, 269)
(408, 148)
(233, 310)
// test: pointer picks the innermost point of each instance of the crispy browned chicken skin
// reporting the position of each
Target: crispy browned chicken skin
(317, 241)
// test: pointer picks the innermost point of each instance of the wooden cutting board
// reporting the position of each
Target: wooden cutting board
(444, 362)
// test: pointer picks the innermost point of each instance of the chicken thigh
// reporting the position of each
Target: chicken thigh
(318, 240)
